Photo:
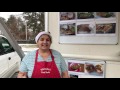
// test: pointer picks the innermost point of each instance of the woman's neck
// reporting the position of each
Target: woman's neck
(44, 53)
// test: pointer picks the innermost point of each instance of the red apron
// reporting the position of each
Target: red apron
(45, 69)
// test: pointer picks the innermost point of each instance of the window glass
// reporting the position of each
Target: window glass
(5, 46)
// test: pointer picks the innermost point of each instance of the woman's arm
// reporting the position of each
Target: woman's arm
(22, 75)
(65, 74)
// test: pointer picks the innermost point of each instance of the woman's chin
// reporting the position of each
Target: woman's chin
(45, 48)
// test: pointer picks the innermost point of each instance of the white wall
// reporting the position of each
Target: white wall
(102, 52)
(112, 69)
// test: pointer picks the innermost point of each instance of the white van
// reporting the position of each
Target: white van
(9, 59)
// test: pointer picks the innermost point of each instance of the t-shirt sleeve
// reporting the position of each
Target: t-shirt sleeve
(23, 65)
(63, 64)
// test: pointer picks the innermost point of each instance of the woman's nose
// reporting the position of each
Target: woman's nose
(45, 41)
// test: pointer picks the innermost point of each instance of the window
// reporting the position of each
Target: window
(5, 46)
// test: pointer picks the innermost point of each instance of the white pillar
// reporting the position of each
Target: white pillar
(46, 21)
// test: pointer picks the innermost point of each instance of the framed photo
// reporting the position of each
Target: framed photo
(67, 29)
(85, 15)
(105, 14)
(67, 16)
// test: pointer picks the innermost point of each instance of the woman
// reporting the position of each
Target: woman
(44, 62)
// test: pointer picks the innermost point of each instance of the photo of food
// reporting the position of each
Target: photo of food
(67, 29)
(105, 28)
(99, 68)
(67, 15)
(105, 14)
(86, 69)
(88, 28)
(90, 68)
(94, 69)
(84, 29)
(76, 67)
(85, 15)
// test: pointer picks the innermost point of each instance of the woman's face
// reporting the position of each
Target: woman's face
(44, 42)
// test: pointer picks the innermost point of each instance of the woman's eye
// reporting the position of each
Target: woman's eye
(41, 39)
(47, 40)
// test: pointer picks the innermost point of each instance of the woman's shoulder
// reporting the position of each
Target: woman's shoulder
(30, 53)
(55, 51)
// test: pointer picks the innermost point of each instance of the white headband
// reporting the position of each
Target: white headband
(40, 34)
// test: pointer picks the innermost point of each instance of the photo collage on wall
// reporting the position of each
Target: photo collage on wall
(87, 23)
(86, 69)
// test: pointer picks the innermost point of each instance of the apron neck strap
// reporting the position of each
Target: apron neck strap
(36, 55)
(51, 55)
